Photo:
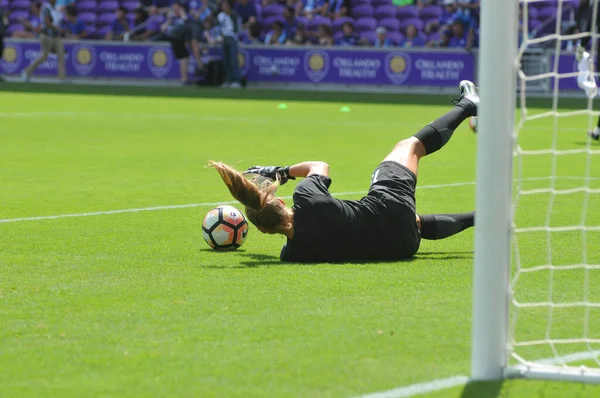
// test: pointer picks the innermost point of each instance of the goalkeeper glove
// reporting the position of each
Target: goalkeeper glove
(272, 172)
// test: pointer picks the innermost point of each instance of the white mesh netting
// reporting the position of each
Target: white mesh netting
(555, 285)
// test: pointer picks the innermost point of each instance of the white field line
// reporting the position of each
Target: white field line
(455, 381)
(221, 119)
(188, 205)
(169, 207)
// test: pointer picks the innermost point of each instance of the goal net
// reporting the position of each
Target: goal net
(554, 290)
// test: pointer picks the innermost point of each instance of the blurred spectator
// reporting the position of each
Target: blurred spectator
(3, 26)
(277, 35)
(119, 25)
(309, 8)
(73, 27)
(467, 10)
(253, 37)
(324, 35)
(246, 11)
(446, 18)
(382, 39)
(201, 9)
(61, 5)
(211, 33)
(442, 42)
(31, 25)
(49, 41)
(423, 3)
(337, 8)
(301, 37)
(139, 20)
(289, 21)
(181, 32)
(349, 37)
(229, 26)
(412, 38)
(458, 37)
(146, 30)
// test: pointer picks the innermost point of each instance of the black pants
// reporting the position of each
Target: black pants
(230, 60)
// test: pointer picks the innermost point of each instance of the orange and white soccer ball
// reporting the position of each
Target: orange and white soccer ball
(225, 228)
(473, 123)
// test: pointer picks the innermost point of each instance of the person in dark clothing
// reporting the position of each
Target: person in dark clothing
(382, 226)
(586, 23)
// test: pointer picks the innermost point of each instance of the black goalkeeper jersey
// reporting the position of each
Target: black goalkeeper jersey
(327, 229)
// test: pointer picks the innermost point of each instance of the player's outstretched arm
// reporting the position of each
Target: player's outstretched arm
(305, 169)
(283, 174)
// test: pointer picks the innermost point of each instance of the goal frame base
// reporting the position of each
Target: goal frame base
(557, 373)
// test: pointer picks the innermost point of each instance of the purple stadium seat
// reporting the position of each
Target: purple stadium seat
(317, 21)
(108, 6)
(131, 5)
(395, 37)
(412, 21)
(365, 24)
(267, 23)
(407, 12)
(534, 25)
(20, 5)
(103, 30)
(547, 13)
(533, 13)
(391, 24)
(543, 4)
(91, 33)
(382, 12)
(377, 3)
(302, 21)
(362, 11)
(105, 19)
(337, 24)
(431, 12)
(4, 3)
(272, 10)
(370, 36)
(87, 18)
(86, 6)
(15, 16)
(354, 3)
(15, 27)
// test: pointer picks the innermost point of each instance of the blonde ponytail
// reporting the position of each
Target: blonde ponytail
(262, 206)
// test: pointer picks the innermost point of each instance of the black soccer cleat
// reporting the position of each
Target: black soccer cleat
(595, 135)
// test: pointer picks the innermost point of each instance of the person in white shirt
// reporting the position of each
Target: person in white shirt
(50, 40)
(228, 24)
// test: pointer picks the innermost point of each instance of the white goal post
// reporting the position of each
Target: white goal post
(497, 350)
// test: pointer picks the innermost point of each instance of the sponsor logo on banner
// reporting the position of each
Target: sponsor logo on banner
(11, 59)
(115, 61)
(362, 66)
(316, 65)
(159, 61)
(243, 61)
(83, 59)
(397, 67)
(444, 68)
(279, 64)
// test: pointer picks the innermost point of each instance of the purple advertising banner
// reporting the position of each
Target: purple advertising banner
(359, 67)
(258, 64)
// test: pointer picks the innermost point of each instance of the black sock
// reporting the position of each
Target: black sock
(598, 125)
(437, 133)
(440, 226)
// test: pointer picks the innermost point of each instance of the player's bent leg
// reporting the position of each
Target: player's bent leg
(441, 226)
(437, 133)
(407, 152)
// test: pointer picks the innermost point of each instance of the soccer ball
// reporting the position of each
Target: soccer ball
(225, 228)
(473, 123)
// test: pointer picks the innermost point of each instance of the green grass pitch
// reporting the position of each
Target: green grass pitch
(136, 305)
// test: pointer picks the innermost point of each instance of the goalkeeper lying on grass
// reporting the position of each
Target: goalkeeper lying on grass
(381, 226)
